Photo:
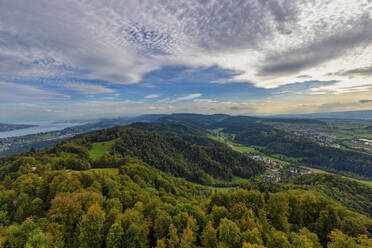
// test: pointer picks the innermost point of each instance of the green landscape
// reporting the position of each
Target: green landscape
(185, 124)
(170, 184)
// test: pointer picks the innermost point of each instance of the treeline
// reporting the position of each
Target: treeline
(354, 195)
(139, 206)
(178, 149)
(253, 131)
(195, 158)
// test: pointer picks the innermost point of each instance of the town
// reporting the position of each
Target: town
(276, 169)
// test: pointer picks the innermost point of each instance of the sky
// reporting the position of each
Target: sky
(80, 59)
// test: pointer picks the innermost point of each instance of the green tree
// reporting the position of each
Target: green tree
(188, 238)
(249, 245)
(305, 239)
(340, 240)
(229, 233)
(115, 236)
(91, 227)
(36, 239)
(278, 211)
(218, 212)
(278, 239)
(209, 236)
(352, 226)
(15, 237)
(134, 236)
(161, 243)
(161, 224)
(173, 238)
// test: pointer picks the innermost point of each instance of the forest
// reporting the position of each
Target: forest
(252, 131)
(141, 189)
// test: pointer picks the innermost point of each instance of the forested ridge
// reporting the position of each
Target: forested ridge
(73, 195)
(178, 149)
(354, 195)
(253, 131)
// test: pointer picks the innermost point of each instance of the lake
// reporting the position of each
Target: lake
(45, 126)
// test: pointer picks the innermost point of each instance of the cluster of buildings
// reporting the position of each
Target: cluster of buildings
(275, 169)
(225, 136)
(299, 170)
(362, 144)
(4, 147)
(320, 137)
(267, 161)
(275, 175)
(272, 177)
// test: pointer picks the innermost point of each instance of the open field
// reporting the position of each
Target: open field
(244, 149)
(100, 148)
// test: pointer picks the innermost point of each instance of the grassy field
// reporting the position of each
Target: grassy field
(100, 148)
(238, 180)
(284, 158)
(107, 171)
(47, 136)
(244, 149)
(235, 147)
(219, 139)
(234, 180)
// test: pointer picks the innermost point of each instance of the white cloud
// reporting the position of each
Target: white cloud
(179, 99)
(22, 93)
(187, 97)
(152, 96)
(270, 43)
(205, 101)
(88, 89)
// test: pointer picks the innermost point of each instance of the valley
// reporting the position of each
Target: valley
(194, 180)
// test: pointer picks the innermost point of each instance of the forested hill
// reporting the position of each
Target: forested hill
(354, 195)
(91, 192)
(252, 131)
(178, 149)
(175, 148)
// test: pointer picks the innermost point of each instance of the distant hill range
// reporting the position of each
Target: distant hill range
(4, 127)
(357, 115)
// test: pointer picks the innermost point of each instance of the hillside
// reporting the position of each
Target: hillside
(117, 188)
(178, 149)
(349, 193)
(252, 131)
(136, 205)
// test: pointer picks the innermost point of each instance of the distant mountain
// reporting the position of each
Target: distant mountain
(361, 115)
(4, 127)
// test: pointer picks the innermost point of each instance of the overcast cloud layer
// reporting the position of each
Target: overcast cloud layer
(78, 51)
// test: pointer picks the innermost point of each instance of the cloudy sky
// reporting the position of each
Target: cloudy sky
(62, 59)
